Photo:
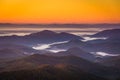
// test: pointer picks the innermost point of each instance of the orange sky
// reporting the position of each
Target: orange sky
(60, 11)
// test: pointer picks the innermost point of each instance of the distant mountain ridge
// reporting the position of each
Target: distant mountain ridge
(45, 36)
(62, 25)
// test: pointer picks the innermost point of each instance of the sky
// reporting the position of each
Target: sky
(59, 11)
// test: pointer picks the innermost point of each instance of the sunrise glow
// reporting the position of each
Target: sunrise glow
(60, 11)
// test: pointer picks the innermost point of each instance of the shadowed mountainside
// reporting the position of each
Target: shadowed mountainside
(47, 72)
(14, 51)
(75, 51)
(35, 61)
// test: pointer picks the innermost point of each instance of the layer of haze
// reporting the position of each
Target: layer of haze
(60, 11)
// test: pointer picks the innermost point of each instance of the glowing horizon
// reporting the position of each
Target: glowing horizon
(59, 11)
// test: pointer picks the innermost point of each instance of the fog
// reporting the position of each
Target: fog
(47, 46)
(103, 54)
(93, 38)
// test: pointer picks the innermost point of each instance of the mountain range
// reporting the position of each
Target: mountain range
(20, 61)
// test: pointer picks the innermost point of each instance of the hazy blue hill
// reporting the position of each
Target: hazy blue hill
(112, 36)
(108, 33)
(110, 45)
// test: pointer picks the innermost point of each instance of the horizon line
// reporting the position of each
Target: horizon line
(7, 23)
